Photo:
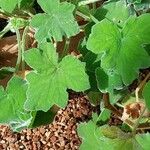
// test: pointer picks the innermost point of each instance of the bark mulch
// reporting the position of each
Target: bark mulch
(61, 134)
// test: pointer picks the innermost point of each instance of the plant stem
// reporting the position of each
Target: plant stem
(33, 119)
(5, 30)
(87, 2)
(24, 46)
(19, 49)
(83, 15)
(66, 48)
(140, 86)
(86, 17)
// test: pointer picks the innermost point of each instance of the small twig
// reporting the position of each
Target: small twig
(83, 15)
(144, 126)
(141, 85)
(87, 17)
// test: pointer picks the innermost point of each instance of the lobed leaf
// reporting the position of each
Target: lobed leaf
(50, 79)
(122, 49)
(56, 22)
(12, 104)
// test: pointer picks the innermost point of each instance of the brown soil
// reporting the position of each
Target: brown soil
(60, 135)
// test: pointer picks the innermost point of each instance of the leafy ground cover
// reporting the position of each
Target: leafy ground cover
(110, 66)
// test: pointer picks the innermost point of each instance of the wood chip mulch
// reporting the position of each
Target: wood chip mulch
(61, 134)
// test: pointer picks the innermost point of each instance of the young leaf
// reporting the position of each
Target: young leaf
(12, 104)
(57, 21)
(123, 52)
(92, 138)
(111, 132)
(146, 94)
(49, 81)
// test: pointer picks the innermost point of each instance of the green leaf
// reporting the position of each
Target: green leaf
(118, 12)
(8, 5)
(12, 104)
(111, 84)
(119, 139)
(143, 6)
(104, 116)
(106, 83)
(92, 138)
(94, 97)
(144, 140)
(4, 71)
(146, 94)
(25, 4)
(123, 52)
(49, 80)
(56, 22)
(44, 118)
(92, 62)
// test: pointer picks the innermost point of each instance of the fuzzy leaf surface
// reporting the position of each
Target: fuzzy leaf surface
(56, 22)
(12, 104)
(123, 52)
(50, 79)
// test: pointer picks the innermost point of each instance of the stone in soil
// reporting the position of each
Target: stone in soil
(61, 134)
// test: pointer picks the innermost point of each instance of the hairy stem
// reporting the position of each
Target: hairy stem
(87, 17)
(19, 49)
(24, 46)
(86, 2)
